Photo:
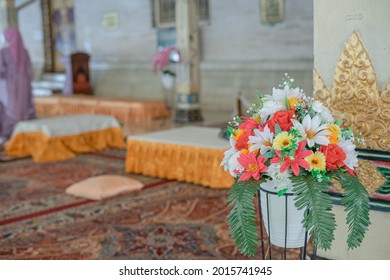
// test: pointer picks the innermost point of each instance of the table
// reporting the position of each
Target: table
(123, 109)
(191, 154)
(61, 138)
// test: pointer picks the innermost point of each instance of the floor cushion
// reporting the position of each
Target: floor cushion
(104, 186)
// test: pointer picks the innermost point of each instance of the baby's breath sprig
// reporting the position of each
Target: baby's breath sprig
(359, 138)
(233, 125)
(253, 109)
(348, 134)
(256, 107)
(287, 81)
(235, 122)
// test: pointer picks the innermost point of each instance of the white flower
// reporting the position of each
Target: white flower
(326, 116)
(286, 92)
(232, 142)
(234, 164)
(262, 140)
(227, 156)
(229, 153)
(312, 131)
(322, 111)
(270, 108)
(280, 179)
(348, 147)
(317, 106)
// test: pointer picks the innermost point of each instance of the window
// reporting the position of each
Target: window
(164, 12)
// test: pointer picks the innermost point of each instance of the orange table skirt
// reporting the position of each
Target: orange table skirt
(191, 164)
(123, 110)
(43, 148)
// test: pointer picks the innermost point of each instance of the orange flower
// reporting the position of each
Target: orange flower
(283, 119)
(242, 140)
(335, 156)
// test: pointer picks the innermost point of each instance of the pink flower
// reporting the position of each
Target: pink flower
(295, 162)
(249, 124)
(161, 58)
(252, 166)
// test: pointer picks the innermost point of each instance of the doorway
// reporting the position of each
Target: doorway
(59, 33)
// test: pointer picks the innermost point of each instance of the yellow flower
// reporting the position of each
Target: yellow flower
(292, 101)
(256, 117)
(282, 140)
(316, 161)
(335, 130)
(237, 134)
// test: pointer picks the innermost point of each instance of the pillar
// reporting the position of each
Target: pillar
(352, 76)
(12, 16)
(188, 71)
(4, 14)
(9, 12)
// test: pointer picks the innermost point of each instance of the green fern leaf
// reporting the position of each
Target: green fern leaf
(356, 201)
(311, 195)
(242, 216)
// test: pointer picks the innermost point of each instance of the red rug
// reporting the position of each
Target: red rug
(165, 220)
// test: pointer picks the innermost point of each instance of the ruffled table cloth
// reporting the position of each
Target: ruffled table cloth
(122, 109)
(61, 138)
(191, 154)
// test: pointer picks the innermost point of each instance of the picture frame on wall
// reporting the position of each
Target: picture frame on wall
(110, 20)
(271, 11)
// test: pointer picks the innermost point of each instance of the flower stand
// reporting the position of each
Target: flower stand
(169, 86)
(282, 223)
(292, 141)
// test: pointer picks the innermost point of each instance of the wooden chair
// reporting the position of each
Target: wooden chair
(80, 73)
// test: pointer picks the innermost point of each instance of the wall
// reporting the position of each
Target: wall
(239, 53)
(369, 18)
(120, 59)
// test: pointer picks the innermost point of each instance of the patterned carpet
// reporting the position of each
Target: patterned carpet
(165, 220)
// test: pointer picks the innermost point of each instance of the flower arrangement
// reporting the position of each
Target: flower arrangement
(163, 57)
(293, 140)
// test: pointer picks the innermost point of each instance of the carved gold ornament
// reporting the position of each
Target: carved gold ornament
(368, 174)
(356, 97)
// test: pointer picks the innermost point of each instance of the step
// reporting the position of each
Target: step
(55, 77)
